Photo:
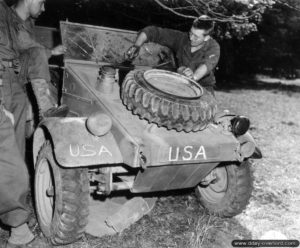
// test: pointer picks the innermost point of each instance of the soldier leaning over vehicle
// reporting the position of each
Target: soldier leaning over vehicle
(197, 53)
(34, 56)
(14, 179)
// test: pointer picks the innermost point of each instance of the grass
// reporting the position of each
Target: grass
(201, 230)
(275, 116)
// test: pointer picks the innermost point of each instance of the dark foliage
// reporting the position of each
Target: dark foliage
(274, 49)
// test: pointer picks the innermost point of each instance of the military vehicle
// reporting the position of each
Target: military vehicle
(133, 129)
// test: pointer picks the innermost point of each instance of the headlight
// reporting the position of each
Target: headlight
(240, 125)
(98, 124)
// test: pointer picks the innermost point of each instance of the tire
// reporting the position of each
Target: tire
(175, 102)
(230, 195)
(61, 199)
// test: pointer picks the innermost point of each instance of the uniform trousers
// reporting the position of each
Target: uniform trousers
(14, 177)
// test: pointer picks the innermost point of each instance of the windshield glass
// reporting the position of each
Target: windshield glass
(108, 45)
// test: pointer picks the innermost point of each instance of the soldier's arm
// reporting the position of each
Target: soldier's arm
(28, 43)
(167, 37)
(212, 56)
(27, 40)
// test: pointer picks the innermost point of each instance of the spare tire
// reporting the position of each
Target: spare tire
(168, 99)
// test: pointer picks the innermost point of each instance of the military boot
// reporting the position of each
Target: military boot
(46, 103)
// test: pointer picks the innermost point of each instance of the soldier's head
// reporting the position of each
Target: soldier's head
(36, 7)
(32, 8)
(200, 30)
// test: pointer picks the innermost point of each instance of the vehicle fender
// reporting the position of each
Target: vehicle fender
(73, 145)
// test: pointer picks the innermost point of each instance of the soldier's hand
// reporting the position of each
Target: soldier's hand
(9, 115)
(181, 69)
(132, 52)
(58, 50)
(188, 72)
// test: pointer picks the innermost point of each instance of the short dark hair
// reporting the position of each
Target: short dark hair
(203, 22)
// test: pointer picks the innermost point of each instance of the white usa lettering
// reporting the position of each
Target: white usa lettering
(201, 152)
(189, 153)
(186, 153)
(88, 150)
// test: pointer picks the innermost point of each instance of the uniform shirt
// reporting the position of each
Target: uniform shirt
(23, 32)
(179, 42)
(7, 49)
(16, 35)
(34, 62)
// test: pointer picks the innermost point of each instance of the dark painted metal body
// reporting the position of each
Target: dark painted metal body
(135, 136)
(75, 146)
(171, 177)
(171, 159)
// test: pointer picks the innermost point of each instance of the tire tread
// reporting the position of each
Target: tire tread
(188, 116)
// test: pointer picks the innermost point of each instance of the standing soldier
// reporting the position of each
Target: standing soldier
(14, 180)
(34, 56)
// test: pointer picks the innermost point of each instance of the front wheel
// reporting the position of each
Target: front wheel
(61, 199)
(229, 193)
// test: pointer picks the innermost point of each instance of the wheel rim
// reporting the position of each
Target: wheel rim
(216, 190)
(45, 192)
(173, 84)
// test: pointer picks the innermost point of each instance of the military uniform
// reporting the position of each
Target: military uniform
(34, 55)
(14, 182)
(179, 42)
(34, 65)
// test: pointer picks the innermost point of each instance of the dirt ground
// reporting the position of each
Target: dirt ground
(179, 221)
